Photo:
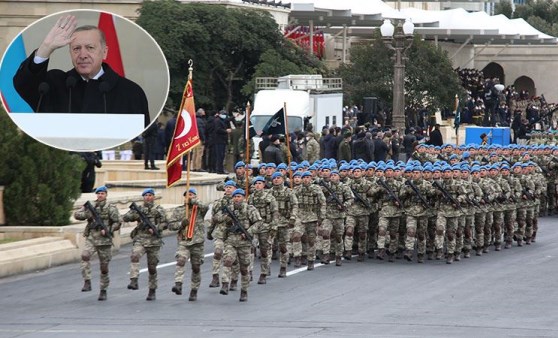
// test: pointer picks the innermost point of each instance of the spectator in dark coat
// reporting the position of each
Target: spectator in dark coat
(408, 141)
(344, 152)
(380, 148)
(169, 132)
(361, 148)
(220, 140)
(330, 144)
(264, 143)
(208, 151)
(273, 152)
(436, 136)
(160, 144)
(149, 140)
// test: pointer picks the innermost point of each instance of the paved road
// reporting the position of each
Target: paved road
(501, 294)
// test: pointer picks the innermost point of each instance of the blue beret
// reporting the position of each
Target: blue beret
(306, 174)
(293, 163)
(380, 167)
(345, 167)
(297, 174)
(101, 189)
(148, 191)
(191, 190)
(313, 167)
(261, 165)
(258, 179)
(276, 174)
(418, 168)
(466, 154)
(453, 156)
(239, 164)
(335, 172)
(409, 169)
(271, 165)
(446, 168)
(305, 163)
(282, 166)
(230, 183)
(239, 192)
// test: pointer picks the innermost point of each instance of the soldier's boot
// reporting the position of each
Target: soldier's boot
(485, 249)
(274, 255)
(371, 253)
(193, 295)
(399, 254)
(497, 246)
(233, 285)
(528, 241)
(420, 258)
(251, 276)
(391, 257)
(86, 285)
(519, 242)
(449, 260)
(534, 236)
(151, 295)
(479, 252)
(310, 266)
(215, 281)
(508, 245)
(467, 254)
(102, 295)
(338, 261)
(325, 259)
(297, 262)
(381, 254)
(408, 255)
(360, 257)
(303, 261)
(177, 288)
(319, 254)
(430, 255)
(347, 255)
(282, 272)
(439, 254)
(243, 296)
(224, 288)
(262, 279)
(133, 284)
(457, 256)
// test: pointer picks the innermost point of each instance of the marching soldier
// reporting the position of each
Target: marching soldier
(146, 237)
(98, 238)
(287, 203)
(241, 222)
(391, 211)
(188, 220)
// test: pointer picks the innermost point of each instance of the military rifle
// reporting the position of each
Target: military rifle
(391, 194)
(360, 199)
(98, 222)
(333, 195)
(528, 194)
(417, 192)
(145, 220)
(236, 225)
(447, 195)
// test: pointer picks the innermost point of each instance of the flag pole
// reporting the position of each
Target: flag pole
(247, 140)
(188, 158)
(457, 126)
(287, 140)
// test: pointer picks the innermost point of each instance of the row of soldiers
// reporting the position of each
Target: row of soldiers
(380, 209)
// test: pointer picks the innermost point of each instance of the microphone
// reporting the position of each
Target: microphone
(104, 88)
(70, 83)
(43, 90)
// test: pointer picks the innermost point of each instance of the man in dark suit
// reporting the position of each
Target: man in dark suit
(90, 87)
(436, 136)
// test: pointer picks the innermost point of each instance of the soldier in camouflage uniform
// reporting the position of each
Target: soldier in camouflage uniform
(391, 211)
(190, 225)
(215, 232)
(311, 210)
(415, 211)
(510, 189)
(529, 194)
(237, 245)
(480, 212)
(266, 205)
(336, 209)
(287, 203)
(374, 217)
(540, 190)
(98, 240)
(449, 211)
(358, 213)
(146, 240)
(497, 209)
(239, 179)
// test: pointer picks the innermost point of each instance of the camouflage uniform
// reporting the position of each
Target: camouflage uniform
(357, 216)
(390, 219)
(528, 187)
(334, 223)
(540, 190)
(447, 219)
(96, 242)
(266, 205)
(311, 210)
(311, 151)
(189, 248)
(488, 197)
(216, 233)
(287, 203)
(144, 242)
(416, 218)
(237, 247)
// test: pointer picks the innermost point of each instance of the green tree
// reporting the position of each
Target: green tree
(41, 183)
(541, 14)
(504, 7)
(430, 81)
(226, 45)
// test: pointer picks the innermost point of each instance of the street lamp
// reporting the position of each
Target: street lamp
(399, 39)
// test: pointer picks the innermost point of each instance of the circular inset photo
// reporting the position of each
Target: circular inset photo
(83, 80)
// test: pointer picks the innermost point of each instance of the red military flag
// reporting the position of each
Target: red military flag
(185, 136)
(114, 58)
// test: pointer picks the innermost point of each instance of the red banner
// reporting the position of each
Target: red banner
(114, 58)
(185, 136)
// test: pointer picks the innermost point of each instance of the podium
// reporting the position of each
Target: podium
(80, 132)
(500, 135)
